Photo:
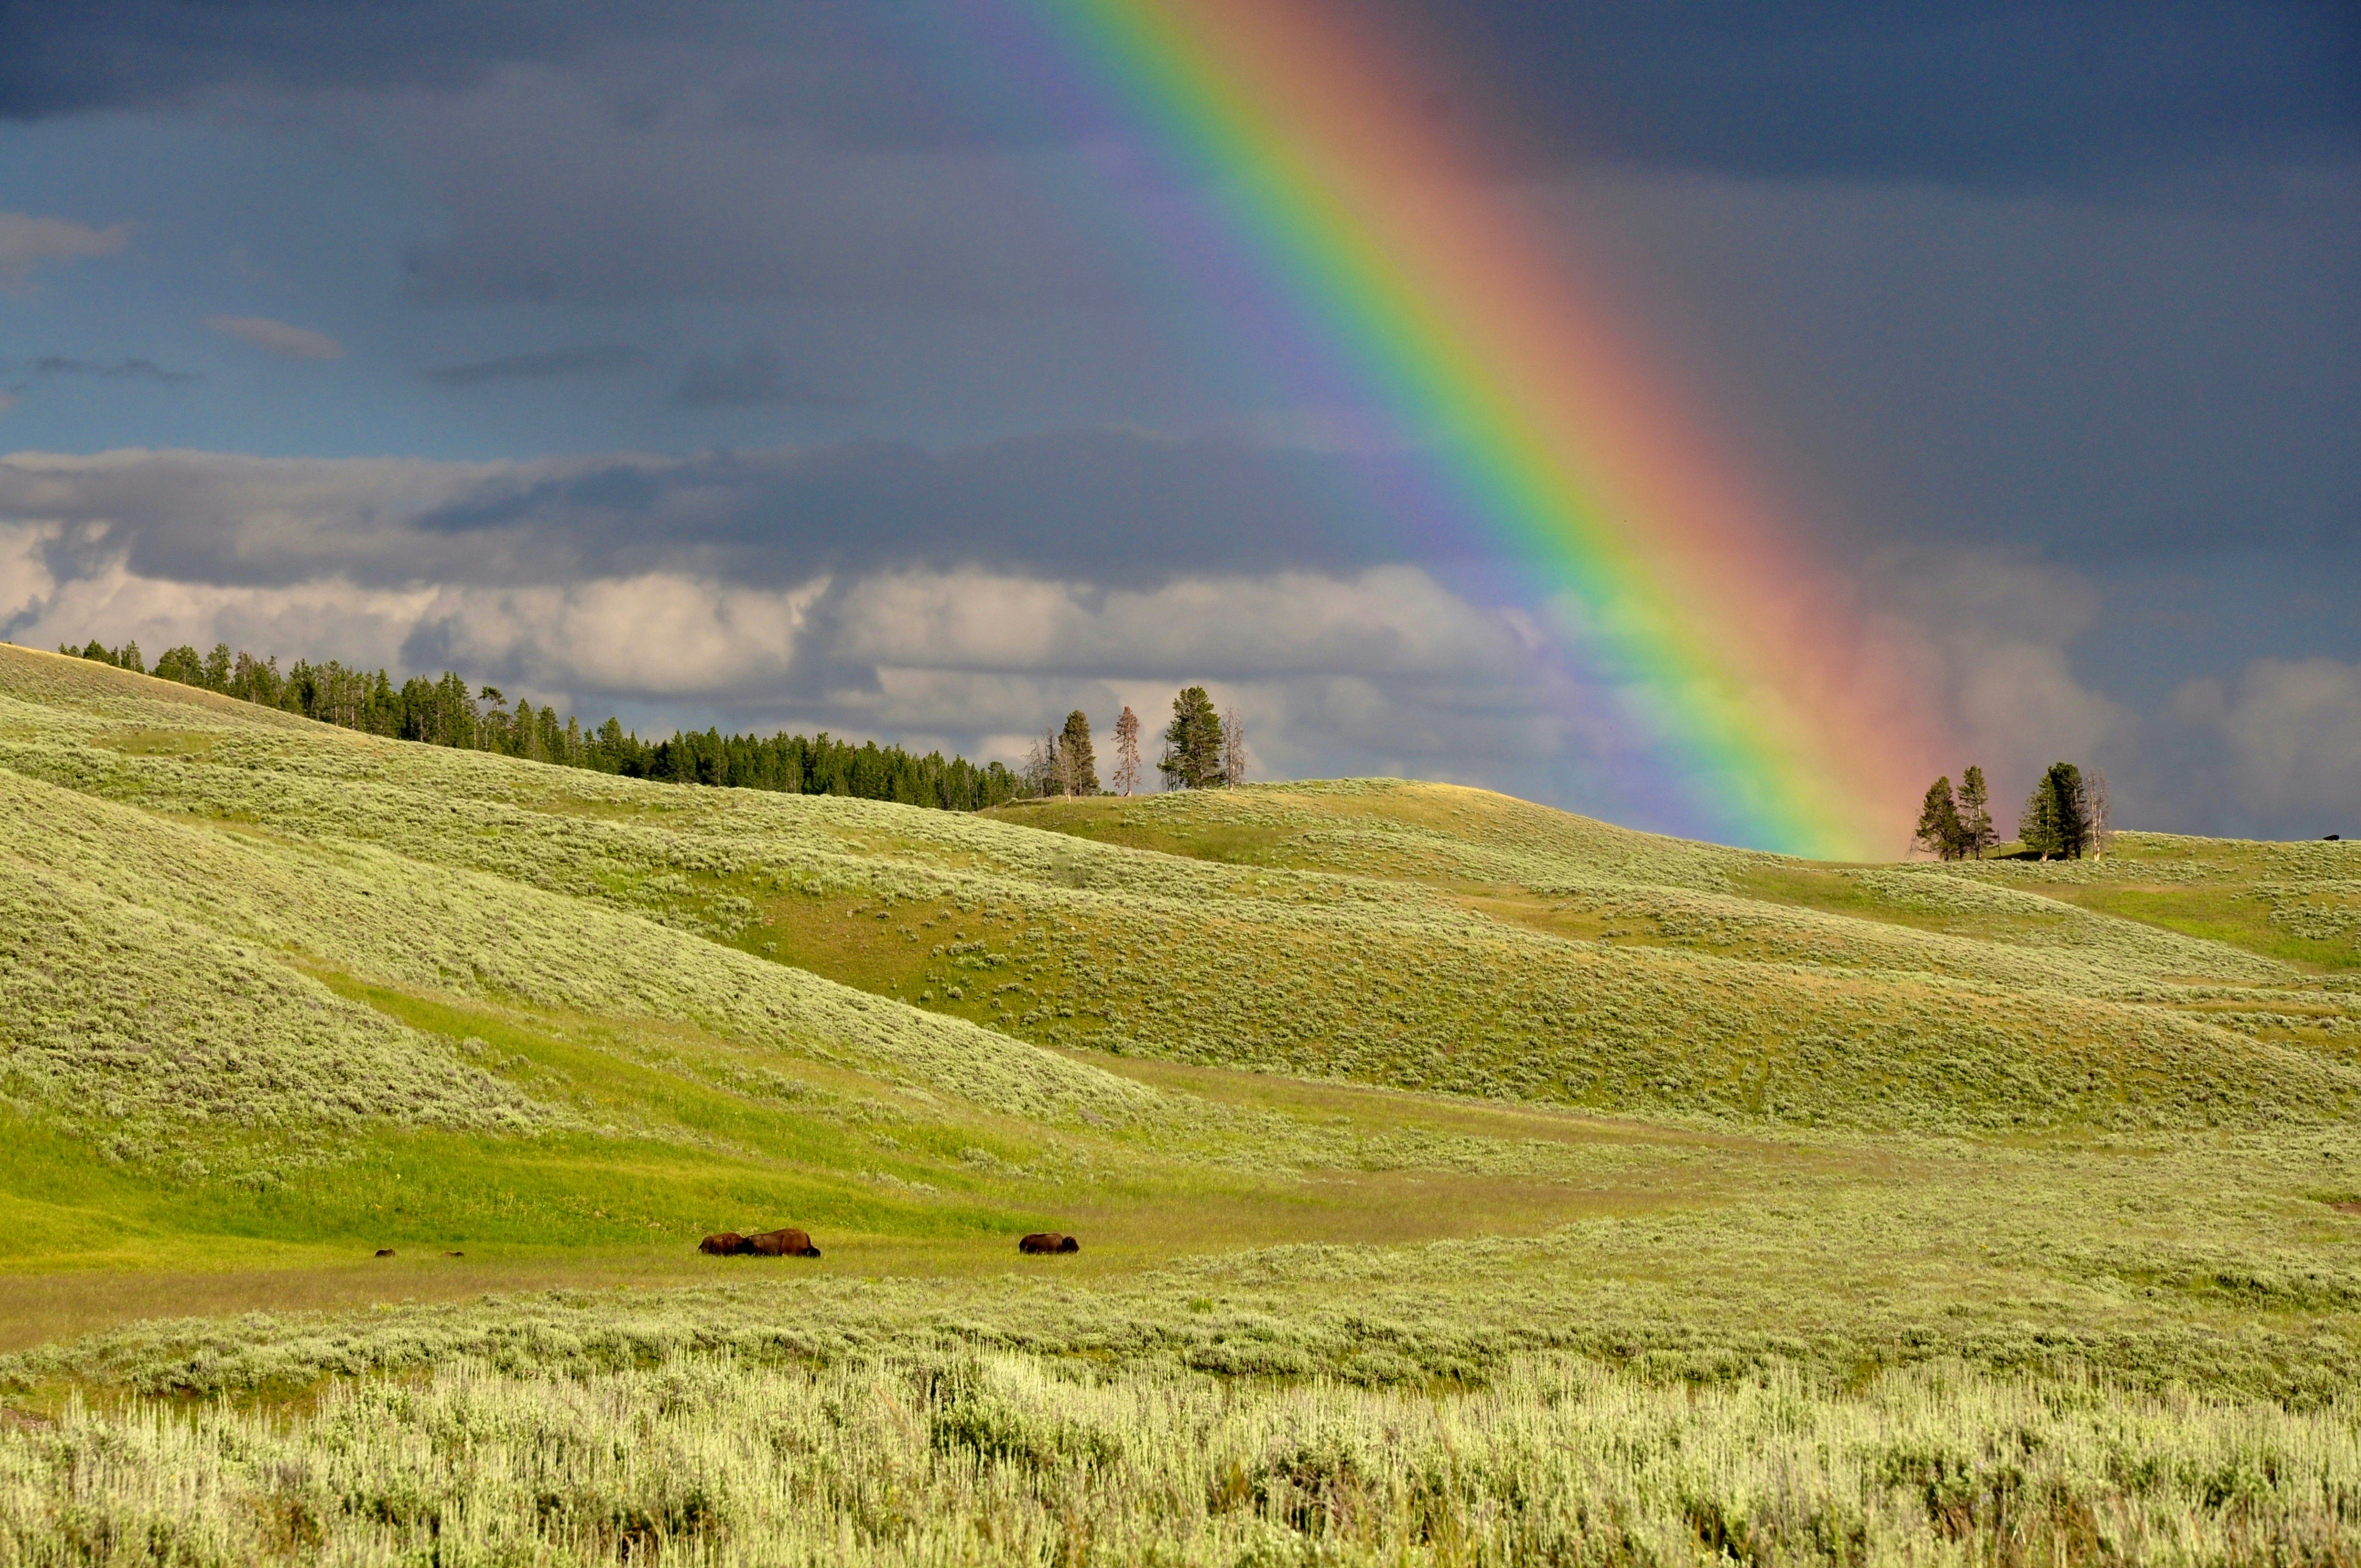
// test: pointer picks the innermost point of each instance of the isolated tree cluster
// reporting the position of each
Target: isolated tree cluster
(1957, 827)
(2065, 817)
(1203, 750)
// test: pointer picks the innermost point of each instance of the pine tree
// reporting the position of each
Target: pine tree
(1192, 742)
(180, 664)
(1126, 751)
(1939, 821)
(2073, 809)
(1078, 765)
(1976, 833)
(2036, 827)
(2057, 821)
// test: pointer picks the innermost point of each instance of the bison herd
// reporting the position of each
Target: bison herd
(795, 1243)
(769, 1243)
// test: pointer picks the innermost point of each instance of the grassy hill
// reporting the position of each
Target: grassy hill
(1360, 1091)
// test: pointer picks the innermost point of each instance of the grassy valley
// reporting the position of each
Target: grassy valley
(1458, 1180)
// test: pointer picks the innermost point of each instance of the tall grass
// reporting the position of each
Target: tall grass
(1005, 1459)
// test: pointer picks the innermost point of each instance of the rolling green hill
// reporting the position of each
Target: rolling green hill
(1383, 1090)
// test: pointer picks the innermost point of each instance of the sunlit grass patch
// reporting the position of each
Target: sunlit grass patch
(996, 1458)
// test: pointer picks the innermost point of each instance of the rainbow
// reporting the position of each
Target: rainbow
(1765, 698)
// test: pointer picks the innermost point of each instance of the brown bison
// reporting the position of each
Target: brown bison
(782, 1244)
(724, 1244)
(1048, 1241)
(385, 1252)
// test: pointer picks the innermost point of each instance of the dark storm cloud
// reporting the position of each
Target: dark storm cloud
(839, 70)
(2094, 378)
(1989, 92)
(1984, 93)
(105, 54)
(573, 203)
(756, 378)
(1102, 506)
(1105, 506)
(547, 366)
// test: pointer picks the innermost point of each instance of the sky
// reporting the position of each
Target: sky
(812, 367)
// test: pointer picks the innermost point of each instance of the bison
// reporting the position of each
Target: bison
(724, 1244)
(782, 1244)
(385, 1252)
(1048, 1241)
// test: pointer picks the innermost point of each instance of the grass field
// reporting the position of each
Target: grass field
(1458, 1180)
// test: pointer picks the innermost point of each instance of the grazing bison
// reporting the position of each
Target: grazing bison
(724, 1244)
(1048, 1241)
(385, 1252)
(782, 1244)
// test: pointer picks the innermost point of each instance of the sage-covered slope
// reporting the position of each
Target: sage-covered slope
(1415, 935)
(2015, 1208)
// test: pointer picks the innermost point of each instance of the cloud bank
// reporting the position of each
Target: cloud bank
(522, 573)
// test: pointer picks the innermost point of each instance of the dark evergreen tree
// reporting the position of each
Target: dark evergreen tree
(1078, 765)
(182, 664)
(1976, 833)
(1939, 821)
(1192, 742)
(2057, 821)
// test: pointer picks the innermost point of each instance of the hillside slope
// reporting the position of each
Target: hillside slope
(1925, 1154)
(1412, 936)
(245, 956)
(272, 993)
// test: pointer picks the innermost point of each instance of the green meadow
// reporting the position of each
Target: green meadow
(1457, 1181)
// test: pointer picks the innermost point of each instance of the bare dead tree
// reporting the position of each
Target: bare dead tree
(1041, 766)
(2094, 804)
(1234, 749)
(1126, 751)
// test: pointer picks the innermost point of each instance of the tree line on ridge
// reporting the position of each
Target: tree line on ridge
(446, 713)
(1203, 748)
